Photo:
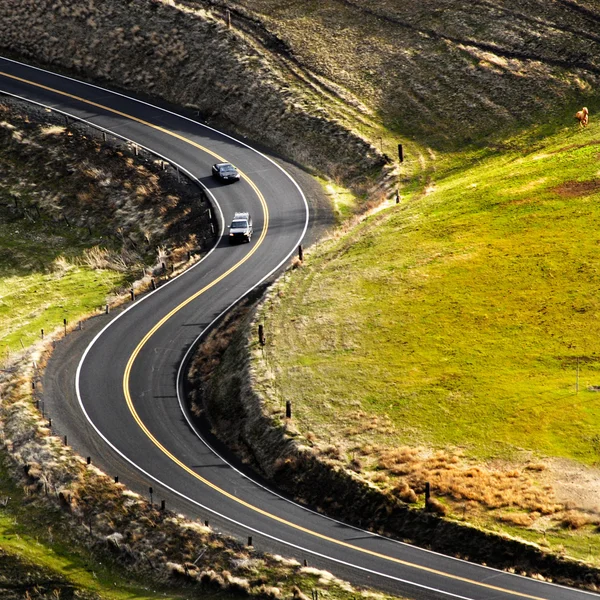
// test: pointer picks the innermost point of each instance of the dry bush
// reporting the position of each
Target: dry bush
(455, 478)
(405, 493)
(574, 519)
(520, 519)
(435, 506)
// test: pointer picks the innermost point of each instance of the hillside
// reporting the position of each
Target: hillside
(446, 73)
(82, 218)
(454, 339)
(442, 338)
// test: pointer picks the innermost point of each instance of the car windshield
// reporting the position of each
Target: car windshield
(227, 168)
(239, 225)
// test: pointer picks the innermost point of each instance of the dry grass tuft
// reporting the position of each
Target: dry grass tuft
(52, 130)
(574, 519)
(333, 451)
(356, 464)
(435, 506)
(520, 519)
(405, 493)
(60, 266)
(297, 594)
(536, 467)
(102, 258)
(296, 263)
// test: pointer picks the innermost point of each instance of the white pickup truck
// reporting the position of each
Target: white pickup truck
(240, 229)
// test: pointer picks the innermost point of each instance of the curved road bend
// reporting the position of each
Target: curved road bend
(127, 379)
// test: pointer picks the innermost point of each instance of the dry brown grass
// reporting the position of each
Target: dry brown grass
(574, 519)
(125, 206)
(519, 519)
(366, 48)
(405, 493)
(435, 506)
(237, 80)
(450, 475)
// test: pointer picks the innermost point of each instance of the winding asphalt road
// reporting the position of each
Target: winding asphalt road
(122, 399)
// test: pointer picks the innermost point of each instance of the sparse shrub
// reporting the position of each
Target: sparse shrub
(573, 519)
(520, 519)
(405, 493)
(211, 578)
(435, 506)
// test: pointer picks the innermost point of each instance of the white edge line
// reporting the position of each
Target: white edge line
(216, 319)
(97, 336)
(147, 149)
(165, 110)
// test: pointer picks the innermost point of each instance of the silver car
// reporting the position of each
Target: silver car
(240, 229)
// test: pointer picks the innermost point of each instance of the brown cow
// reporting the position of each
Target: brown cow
(583, 116)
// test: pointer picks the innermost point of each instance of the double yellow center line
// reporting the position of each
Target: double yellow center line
(162, 321)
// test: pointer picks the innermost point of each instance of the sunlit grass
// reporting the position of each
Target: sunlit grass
(43, 281)
(38, 534)
(463, 317)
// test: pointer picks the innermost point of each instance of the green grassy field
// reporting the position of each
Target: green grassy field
(43, 560)
(44, 279)
(460, 316)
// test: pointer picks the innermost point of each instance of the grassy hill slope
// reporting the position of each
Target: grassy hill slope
(442, 73)
(461, 316)
(454, 339)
